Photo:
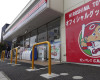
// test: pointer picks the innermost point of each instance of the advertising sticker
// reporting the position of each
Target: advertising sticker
(55, 51)
(83, 33)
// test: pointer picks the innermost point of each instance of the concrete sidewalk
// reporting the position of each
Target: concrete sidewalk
(64, 71)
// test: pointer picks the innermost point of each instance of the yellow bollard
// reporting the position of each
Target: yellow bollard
(16, 55)
(49, 63)
(3, 55)
(11, 56)
(33, 57)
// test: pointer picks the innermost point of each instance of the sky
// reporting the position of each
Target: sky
(9, 9)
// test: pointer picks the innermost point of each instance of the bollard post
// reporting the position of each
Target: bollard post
(33, 57)
(16, 55)
(3, 55)
(49, 62)
(11, 56)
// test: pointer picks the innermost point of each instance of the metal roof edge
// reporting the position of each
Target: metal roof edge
(21, 13)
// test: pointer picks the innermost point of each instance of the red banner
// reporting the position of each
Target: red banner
(83, 33)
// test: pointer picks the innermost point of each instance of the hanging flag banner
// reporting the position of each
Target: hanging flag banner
(83, 33)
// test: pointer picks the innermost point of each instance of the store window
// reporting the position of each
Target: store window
(54, 38)
(54, 31)
(27, 40)
(14, 44)
(42, 33)
(33, 37)
(20, 41)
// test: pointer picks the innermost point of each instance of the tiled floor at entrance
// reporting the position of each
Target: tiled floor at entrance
(39, 62)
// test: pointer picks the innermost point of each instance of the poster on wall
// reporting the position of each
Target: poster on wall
(83, 33)
(55, 51)
(41, 52)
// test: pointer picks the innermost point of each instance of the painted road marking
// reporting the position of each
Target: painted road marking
(32, 69)
(64, 74)
(77, 77)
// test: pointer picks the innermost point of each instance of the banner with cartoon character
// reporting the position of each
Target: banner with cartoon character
(55, 50)
(83, 33)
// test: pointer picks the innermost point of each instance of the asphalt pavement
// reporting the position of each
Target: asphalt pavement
(65, 71)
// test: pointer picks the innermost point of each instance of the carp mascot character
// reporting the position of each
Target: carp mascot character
(91, 38)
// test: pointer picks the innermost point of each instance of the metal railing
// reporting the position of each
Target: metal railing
(49, 62)
(3, 55)
(12, 55)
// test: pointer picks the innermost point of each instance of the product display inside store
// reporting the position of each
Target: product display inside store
(48, 32)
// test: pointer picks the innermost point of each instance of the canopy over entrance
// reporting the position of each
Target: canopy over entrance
(34, 15)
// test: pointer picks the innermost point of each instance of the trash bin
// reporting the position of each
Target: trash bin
(35, 54)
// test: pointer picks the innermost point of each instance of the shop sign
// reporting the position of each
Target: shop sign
(83, 33)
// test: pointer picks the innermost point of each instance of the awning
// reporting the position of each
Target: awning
(41, 13)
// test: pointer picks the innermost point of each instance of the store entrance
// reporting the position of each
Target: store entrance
(48, 32)
(42, 53)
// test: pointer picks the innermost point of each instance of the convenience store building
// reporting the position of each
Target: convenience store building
(67, 24)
